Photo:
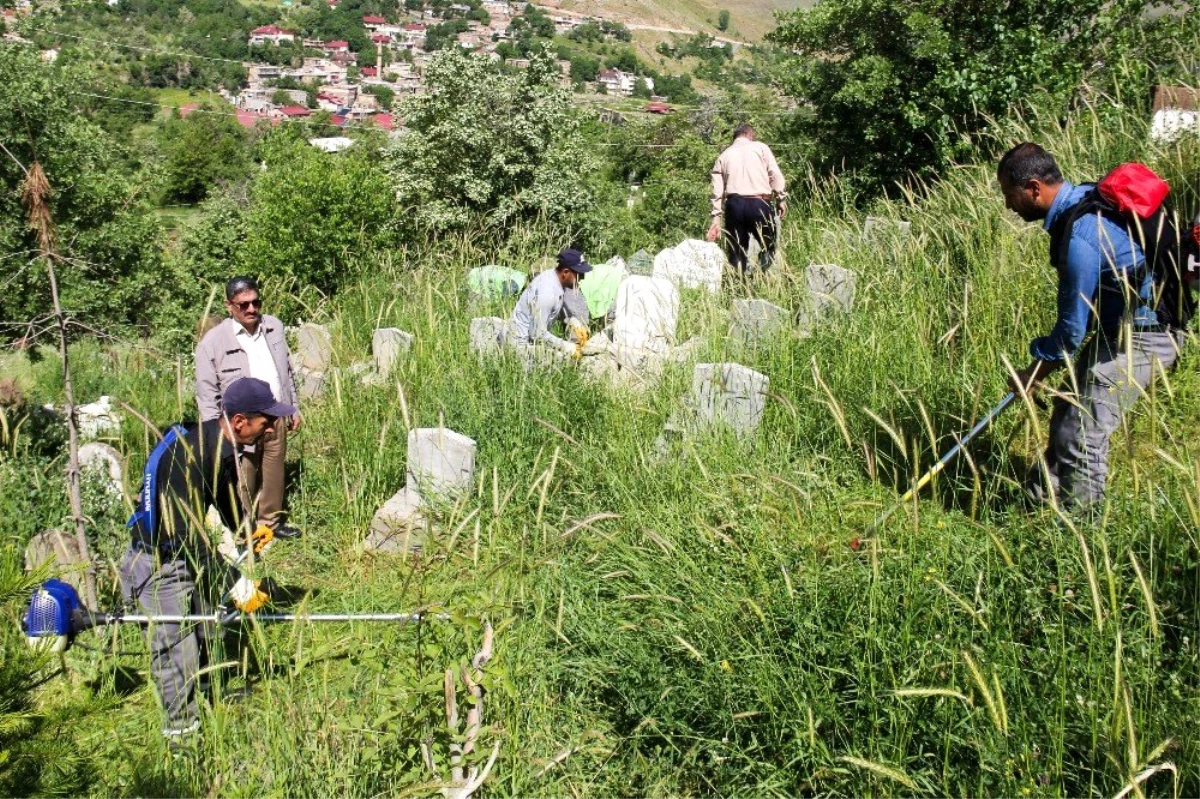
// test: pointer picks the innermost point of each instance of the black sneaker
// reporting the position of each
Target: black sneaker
(286, 531)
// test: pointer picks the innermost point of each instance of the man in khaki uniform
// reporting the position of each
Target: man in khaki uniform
(745, 178)
(251, 344)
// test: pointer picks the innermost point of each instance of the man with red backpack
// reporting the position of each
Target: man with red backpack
(1112, 282)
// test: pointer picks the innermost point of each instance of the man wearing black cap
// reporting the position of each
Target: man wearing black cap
(170, 551)
(542, 303)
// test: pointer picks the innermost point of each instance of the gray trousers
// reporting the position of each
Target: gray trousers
(177, 652)
(1108, 379)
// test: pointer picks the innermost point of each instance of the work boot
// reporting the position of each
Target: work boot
(181, 735)
(286, 531)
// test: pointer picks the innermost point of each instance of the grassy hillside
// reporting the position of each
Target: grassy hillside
(718, 621)
(750, 20)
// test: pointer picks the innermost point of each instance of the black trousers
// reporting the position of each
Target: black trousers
(747, 217)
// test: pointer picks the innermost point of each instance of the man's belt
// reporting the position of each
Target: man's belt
(766, 197)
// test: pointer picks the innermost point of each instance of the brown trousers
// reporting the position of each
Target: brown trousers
(262, 477)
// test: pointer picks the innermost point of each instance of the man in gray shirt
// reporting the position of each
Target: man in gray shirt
(543, 302)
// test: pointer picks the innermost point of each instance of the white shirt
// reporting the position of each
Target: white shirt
(258, 353)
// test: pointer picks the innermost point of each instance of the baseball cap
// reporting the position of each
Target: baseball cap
(251, 395)
(573, 260)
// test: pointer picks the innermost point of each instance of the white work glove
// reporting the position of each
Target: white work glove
(247, 596)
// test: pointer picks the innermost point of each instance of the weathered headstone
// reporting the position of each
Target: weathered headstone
(641, 263)
(106, 463)
(96, 419)
(877, 227)
(310, 384)
(729, 394)
(691, 264)
(830, 287)
(485, 334)
(441, 466)
(315, 346)
(388, 344)
(61, 549)
(646, 317)
(756, 321)
(495, 282)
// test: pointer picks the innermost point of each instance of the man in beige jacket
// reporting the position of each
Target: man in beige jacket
(250, 344)
(744, 179)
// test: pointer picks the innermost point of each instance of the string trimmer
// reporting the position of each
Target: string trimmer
(56, 615)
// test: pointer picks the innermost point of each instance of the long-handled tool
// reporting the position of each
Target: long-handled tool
(945, 459)
(55, 616)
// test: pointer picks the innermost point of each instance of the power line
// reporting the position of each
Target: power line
(139, 48)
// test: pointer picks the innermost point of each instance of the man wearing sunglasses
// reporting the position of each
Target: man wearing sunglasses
(251, 344)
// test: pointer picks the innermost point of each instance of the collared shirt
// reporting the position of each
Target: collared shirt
(198, 470)
(258, 353)
(1100, 258)
(540, 304)
(748, 168)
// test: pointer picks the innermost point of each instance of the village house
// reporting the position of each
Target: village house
(621, 83)
(270, 34)
(372, 22)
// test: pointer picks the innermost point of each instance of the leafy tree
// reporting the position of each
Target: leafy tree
(584, 68)
(899, 86)
(385, 94)
(486, 147)
(311, 215)
(202, 151)
(723, 20)
(109, 241)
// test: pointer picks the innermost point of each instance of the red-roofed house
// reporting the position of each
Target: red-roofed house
(270, 34)
(337, 46)
(369, 72)
(338, 119)
(381, 38)
(250, 119)
(372, 21)
(657, 108)
(414, 34)
(385, 121)
(295, 111)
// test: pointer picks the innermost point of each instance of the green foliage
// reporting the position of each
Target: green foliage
(485, 147)
(723, 20)
(313, 216)
(202, 151)
(110, 244)
(900, 87)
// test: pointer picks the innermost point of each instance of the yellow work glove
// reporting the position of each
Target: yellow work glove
(247, 596)
(261, 537)
(580, 331)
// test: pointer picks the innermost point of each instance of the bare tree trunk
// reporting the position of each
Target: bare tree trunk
(36, 195)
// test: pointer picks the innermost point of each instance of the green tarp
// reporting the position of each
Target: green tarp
(493, 281)
(600, 285)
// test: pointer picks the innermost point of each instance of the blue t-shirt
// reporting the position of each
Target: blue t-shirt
(1103, 264)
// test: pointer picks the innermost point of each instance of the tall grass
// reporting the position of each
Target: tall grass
(718, 621)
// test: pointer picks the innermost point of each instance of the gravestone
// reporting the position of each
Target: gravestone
(493, 282)
(641, 263)
(441, 466)
(61, 550)
(877, 227)
(106, 463)
(485, 334)
(830, 287)
(757, 321)
(388, 344)
(96, 419)
(646, 316)
(315, 346)
(691, 264)
(729, 394)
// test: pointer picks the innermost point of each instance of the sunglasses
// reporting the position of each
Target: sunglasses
(247, 305)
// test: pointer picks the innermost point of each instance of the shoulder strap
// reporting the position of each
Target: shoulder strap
(1060, 231)
(146, 513)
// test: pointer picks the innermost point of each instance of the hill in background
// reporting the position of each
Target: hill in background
(749, 20)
